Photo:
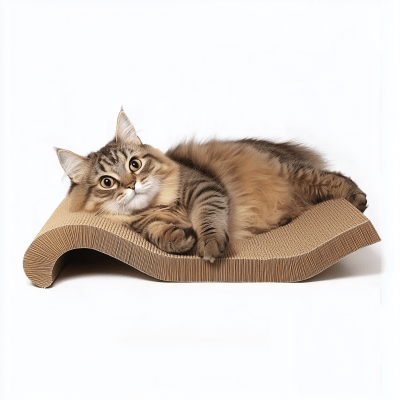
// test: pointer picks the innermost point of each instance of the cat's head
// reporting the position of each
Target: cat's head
(122, 177)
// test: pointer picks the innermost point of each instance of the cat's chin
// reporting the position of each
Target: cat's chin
(141, 197)
(136, 202)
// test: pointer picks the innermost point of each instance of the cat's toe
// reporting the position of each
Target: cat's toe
(184, 244)
(180, 240)
(210, 248)
(209, 258)
(212, 251)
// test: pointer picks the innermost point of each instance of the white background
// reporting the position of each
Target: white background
(322, 72)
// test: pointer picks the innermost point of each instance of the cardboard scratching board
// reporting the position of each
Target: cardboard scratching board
(314, 241)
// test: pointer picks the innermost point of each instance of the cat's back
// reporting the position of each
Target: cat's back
(217, 158)
(240, 167)
(210, 156)
(287, 152)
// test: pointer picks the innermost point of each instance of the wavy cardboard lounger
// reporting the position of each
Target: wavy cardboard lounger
(294, 252)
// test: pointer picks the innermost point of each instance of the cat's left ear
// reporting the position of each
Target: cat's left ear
(125, 131)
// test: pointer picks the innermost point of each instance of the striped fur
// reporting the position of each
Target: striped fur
(199, 196)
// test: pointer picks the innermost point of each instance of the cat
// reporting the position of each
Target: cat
(199, 196)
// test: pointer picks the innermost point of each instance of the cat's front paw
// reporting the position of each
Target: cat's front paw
(176, 239)
(212, 246)
(182, 240)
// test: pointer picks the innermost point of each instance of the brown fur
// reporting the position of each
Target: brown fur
(203, 193)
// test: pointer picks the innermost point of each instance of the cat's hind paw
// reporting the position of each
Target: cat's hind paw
(359, 201)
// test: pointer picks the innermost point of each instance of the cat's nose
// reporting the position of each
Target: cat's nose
(131, 185)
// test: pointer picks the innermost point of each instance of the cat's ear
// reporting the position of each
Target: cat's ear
(73, 164)
(125, 131)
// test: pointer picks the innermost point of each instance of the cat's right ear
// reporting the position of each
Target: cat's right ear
(73, 164)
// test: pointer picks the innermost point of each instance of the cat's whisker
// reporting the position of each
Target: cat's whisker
(102, 210)
(99, 210)
(105, 209)
(116, 208)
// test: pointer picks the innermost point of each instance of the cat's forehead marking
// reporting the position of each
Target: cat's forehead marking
(115, 161)
(108, 167)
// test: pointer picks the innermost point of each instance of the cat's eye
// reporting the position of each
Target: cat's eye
(134, 164)
(107, 182)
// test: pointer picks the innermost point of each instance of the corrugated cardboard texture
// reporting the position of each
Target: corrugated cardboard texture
(294, 252)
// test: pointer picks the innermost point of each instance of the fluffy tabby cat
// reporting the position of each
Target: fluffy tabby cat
(201, 196)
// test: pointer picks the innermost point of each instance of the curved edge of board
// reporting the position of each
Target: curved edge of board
(295, 252)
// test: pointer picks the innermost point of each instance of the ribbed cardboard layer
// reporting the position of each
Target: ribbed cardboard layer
(294, 252)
